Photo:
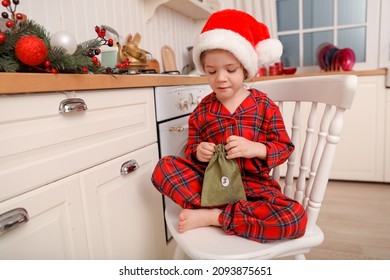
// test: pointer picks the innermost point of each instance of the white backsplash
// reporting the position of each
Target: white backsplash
(166, 27)
(79, 17)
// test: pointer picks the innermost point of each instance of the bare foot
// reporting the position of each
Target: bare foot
(194, 218)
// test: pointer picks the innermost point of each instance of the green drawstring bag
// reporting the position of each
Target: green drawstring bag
(222, 183)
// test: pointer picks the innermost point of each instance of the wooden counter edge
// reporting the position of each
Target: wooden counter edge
(14, 83)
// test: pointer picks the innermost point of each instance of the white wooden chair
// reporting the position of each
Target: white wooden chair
(304, 177)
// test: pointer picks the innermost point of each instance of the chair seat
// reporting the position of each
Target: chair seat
(214, 243)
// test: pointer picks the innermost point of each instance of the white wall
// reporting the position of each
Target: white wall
(79, 17)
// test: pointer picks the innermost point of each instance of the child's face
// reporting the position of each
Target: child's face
(224, 72)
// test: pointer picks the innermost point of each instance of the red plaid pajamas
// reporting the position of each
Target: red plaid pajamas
(267, 214)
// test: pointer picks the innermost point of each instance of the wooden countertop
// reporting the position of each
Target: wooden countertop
(13, 83)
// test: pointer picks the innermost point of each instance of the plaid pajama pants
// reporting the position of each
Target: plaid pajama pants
(267, 215)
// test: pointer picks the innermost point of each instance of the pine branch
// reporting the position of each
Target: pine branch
(57, 56)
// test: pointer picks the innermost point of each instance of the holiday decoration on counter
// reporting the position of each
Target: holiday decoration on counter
(331, 58)
(63, 39)
(137, 57)
(31, 50)
(26, 46)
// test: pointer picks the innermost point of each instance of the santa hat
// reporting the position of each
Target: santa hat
(242, 35)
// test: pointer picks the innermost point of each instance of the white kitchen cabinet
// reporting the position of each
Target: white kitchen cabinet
(125, 218)
(60, 168)
(56, 227)
(387, 139)
(194, 9)
(361, 153)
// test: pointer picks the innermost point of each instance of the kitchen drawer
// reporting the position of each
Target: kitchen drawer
(55, 228)
(38, 144)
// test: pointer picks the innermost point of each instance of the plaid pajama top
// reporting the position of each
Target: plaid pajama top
(267, 214)
(257, 119)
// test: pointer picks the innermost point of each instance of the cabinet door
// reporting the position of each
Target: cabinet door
(55, 229)
(360, 153)
(124, 214)
(387, 139)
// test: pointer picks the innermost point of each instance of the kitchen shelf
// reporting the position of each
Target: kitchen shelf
(194, 9)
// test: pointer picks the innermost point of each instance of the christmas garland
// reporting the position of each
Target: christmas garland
(27, 47)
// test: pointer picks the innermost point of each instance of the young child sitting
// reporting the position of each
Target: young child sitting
(228, 51)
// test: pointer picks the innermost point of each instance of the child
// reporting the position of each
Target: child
(229, 49)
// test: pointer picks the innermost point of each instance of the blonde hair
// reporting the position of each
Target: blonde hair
(203, 55)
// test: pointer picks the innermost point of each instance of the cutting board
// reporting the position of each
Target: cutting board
(168, 59)
(154, 65)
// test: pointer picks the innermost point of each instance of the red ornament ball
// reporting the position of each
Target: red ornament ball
(31, 50)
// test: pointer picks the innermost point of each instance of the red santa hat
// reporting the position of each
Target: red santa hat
(242, 35)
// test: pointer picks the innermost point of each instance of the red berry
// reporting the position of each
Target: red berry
(5, 3)
(110, 42)
(19, 16)
(9, 24)
(2, 37)
(54, 70)
(94, 59)
(47, 63)
(84, 69)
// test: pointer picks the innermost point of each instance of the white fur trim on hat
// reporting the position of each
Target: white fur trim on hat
(228, 40)
(269, 51)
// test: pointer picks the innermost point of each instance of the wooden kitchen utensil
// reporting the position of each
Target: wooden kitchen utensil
(168, 59)
(154, 65)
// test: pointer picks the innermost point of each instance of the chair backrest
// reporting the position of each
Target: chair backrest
(313, 110)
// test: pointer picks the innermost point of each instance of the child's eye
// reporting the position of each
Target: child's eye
(232, 70)
(211, 72)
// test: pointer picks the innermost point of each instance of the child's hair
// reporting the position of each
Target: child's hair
(203, 55)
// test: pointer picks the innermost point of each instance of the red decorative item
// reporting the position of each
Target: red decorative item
(331, 58)
(289, 70)
(5, 3)
(274, 70)
(262, 72)
(2, 37)
(31, 50)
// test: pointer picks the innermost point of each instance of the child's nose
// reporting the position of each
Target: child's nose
(221, 76)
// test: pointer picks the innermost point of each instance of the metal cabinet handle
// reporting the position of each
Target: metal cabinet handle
(71, 105)
(178, 128)
(13, 218)
(129, 167)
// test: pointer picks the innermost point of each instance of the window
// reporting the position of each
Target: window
(303, 25)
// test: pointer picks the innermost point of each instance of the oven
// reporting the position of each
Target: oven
(174, 104)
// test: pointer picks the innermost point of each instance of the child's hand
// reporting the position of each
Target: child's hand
(205, 151)
(238, 146)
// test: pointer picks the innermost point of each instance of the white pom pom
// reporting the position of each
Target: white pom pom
(269, 51)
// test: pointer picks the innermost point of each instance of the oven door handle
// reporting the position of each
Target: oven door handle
(178, 128)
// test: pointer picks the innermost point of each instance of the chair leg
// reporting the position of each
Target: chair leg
(178, 254)
(300, 257)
